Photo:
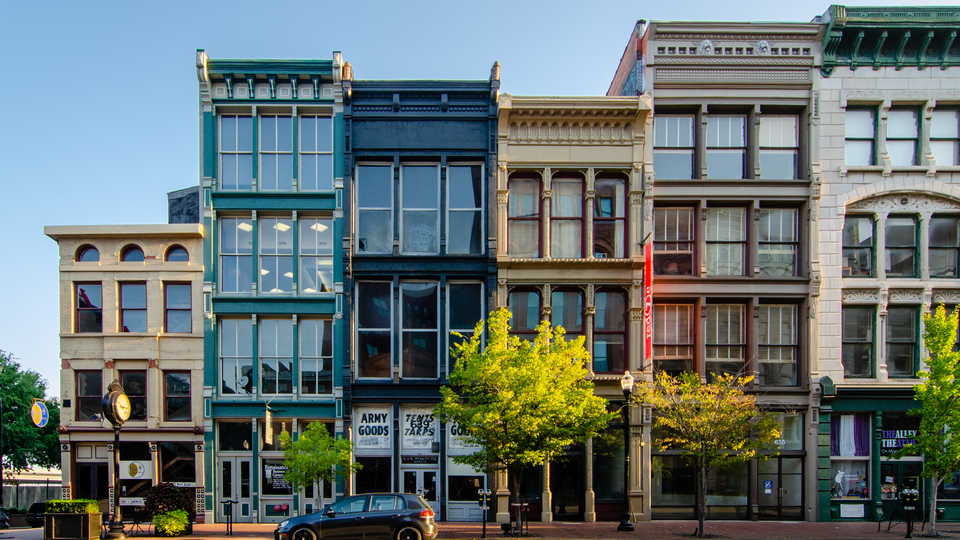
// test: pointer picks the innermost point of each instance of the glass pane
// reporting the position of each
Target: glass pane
(464, 232)
(943, 262)
(244, 134)
(420, 186)
(565, 239)
(900, 359)
(133, 296)
(726, 131)
(465, 186)
(567, 311)
(567, 200)
(945, 123)
(857, 360)
(778, 164)
(858, 153)
(316, 274)
(373, 304)
(228, 133)
(901, 325)
(608, 352)
(276, 236)
(902, 124)
(858, 231)
(419, 305)
(725, 164)
(610, 198)
(524, 239)
(268, 133)
(178, 296)
(525, 311)
(373, 354)
(524, 198)
(777, 259)
(778, 131)
(308, 133)
(608, 239)
(374, 232)
(902, 153)
(860, 124)
(945, 152)
(466, 305)
(900, 263)
(420, 355)
(673, 164)
(857, 324)
(316, 237)
(374, 186)
(420, 232)
(675, 131)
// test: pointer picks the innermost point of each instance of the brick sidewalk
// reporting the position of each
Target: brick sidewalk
(652, 530)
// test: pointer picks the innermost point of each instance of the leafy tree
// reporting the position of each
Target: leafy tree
(939, 411)
(521, 402)
(714, 424)
(315, 456)
(24, 444)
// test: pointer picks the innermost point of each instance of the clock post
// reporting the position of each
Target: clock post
(116, 409)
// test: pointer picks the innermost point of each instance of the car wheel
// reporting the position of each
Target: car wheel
(303, 533)
(408, 533)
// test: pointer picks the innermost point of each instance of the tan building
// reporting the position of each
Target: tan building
(131, 310)
(569, 250)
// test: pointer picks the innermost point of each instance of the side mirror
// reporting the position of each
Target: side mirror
(330, 513)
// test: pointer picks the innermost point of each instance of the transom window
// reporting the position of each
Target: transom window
(524, 218)
(316, 255)
(945, 137)
(726, 241)
(465, 195)
(374, 209)
(276, 356)
(673, 146)
(725, 339)
(276, 153)
(374, 314)
(316, 356)
(420, 221)
(778, 344)
(726, 146)
(236, 363)
(420, 303)
(777, 254)
(236, 248)
(858, 246)
(903, 133)
(566, 219)
(236, 153)
(902, 347)
(673, 339)
(860, 134)
(133, 307)
(316, 153)
(858, 337)
(276, 255)
(673, 239)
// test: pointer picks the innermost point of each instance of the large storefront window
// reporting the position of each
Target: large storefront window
(674, 486)
(136, 469)
(375, 474)
(850, 455)
(727, 492)
(177, 463)
(273, 482)
(235, 436)
(608, 463)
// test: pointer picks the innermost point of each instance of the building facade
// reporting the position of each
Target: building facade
(569, 237)
(889, 96)
(418, 265)
(131, 312)
(732, 204)
(271, 139)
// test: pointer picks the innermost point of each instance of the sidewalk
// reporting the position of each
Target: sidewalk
(650, 530)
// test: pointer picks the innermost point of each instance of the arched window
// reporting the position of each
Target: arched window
(131, 253)
(87, 254)
(177, 254)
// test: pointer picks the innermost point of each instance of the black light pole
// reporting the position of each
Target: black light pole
(4, 520)
(626, 384)
(116, 408)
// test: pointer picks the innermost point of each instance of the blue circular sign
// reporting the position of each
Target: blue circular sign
(39, 414)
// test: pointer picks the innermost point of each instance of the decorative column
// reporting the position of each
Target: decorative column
(546, 196)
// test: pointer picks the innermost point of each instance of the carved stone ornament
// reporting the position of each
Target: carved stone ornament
(909, 201)
(861, 296)
(705, 47)
(905, 296)
(946, 297)
(763, 48)
(503, 196)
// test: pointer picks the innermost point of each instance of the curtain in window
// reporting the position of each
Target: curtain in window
(850, 435)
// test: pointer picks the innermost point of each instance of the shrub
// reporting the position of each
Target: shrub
(165, 498)
(73, 506)
(172, 523)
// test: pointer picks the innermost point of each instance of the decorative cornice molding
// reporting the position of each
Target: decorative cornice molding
(906, 296)
(905, 202)
(861, 296)
(946, 297)
(571, 132)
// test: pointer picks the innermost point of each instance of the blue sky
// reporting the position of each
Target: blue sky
(99, 99)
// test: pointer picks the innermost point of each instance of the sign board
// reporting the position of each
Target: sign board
(419, 428)
(851, 510)
(893, 440)
(274, 474)
(419, 460)
(131, 501)
(135, 470)
(648, 302)
(768, 486)
(457, 440)
(373, 427)
(39, 414)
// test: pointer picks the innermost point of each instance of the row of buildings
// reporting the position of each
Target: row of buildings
(799, 184)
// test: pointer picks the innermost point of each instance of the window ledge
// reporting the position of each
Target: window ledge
(863, 168)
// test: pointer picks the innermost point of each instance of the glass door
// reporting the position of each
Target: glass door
(423, 482)
(896, 476)
(234, 485)
(780, 488)
(316, 497)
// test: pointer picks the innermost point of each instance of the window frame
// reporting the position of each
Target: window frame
(677, 148)
(167, 309)
(936, 248)
(125, 311)
(82, 252)
(661, 339)
(174, 250)
(236, 151)
(558, 241)
(239, 256)
(269, 356)
(895, 139)
(278, 256)
(893, 341)
(451, 210)
(324, 329)
(132, 250)
(743, 242)
(662, 244)
(167, 396)
(771, 147)
(313, 152)
(557, 315)
(467, 333)
(889, 247)
(303, 256)
(536, 180)
(78, 310)
(361, 209)
(794, 243)
(404, 331)
(852, 248)
(872, 139)
(719, 148)
(729, 344)
(764, 341)
(136, 398)
(275, 151)
(96, 397)
(359, 370)
(624, 333)
(405, 209)
(238, 361)
(619, 222)
(528, 334)
(953, 138)
(853, 341)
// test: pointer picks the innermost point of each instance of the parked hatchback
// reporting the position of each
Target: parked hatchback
(35, 514)
(377, 516)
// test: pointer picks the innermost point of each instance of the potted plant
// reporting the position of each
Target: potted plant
(77, 519)
(172, 509)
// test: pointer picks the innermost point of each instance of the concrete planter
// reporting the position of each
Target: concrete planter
(72, 526)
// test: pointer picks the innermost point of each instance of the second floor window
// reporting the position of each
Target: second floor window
(902, 346)
(89, 395)
(89, 304)
(236, 153)
(465, 310)
(276, 255)
(673, 340)
(236, 248)
(726, 241)
(176, 396)
(778, 242)
(135, 386)
(777, 339)
(133, 307)
(276, 153)
(944, 246)
(420, 219)
(567, 311)
(858, 337)
(525, 313)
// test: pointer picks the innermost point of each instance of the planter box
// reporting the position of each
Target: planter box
(72, 526)
(18, 520)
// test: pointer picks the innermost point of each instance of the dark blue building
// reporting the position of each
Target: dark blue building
(419, 163)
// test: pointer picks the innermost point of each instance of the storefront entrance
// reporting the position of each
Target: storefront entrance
(234, 485)
(423, 482)
(566, 487)
(780, 488)
(896, 476)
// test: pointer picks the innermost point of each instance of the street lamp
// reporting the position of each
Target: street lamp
(116, 409)
(626, 384)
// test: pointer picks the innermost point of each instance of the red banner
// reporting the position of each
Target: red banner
(648, 303)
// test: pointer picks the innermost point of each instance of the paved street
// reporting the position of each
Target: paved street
(656, 530)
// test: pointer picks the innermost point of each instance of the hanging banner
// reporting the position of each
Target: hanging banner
(268, 428)
(372, 428)
(419, 428)
(648, 302)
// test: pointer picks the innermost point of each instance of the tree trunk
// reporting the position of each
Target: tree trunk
(514, 473)
(701, 497)
(933, 507)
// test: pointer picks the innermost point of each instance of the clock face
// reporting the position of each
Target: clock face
(122, 407)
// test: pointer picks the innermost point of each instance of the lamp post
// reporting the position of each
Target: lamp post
(626, 384)
(116, 409)
(4, 520)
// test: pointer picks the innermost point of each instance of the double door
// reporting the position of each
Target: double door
(780, 488)
(234, 484)
(896, 476)
(422, 482)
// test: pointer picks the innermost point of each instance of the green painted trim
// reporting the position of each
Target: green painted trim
(289, 305)
(274, 201)
(255, 356)
(209, 145)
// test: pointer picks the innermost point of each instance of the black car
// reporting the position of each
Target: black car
(35, 514)
(378, 516)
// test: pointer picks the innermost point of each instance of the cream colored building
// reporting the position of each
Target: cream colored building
(569, 206)
(131, 310)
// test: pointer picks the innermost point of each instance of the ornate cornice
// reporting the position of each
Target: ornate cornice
(905, 202)
(587, 132)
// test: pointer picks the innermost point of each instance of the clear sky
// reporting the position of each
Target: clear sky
(99, 99)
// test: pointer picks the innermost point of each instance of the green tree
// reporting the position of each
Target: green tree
(24, 444)
(714, 424)
(315, 456)
(939, 411)
(521, 402)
